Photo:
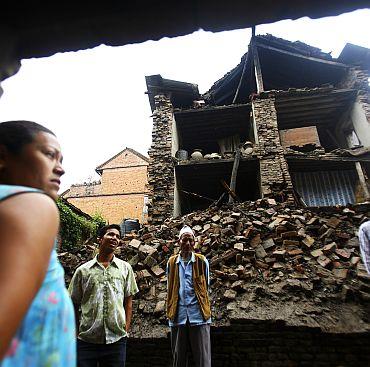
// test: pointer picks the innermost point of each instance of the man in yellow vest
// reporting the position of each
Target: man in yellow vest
(188, 306)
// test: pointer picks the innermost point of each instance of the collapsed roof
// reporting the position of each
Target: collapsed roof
(283, 64)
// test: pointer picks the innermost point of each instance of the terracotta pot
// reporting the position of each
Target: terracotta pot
(197, 154)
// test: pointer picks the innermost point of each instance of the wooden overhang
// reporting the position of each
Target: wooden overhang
(41, 28)
(282, 69)
(181, 94)
(324, 162)
(310, 108)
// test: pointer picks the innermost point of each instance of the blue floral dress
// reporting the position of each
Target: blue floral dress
(46, 336)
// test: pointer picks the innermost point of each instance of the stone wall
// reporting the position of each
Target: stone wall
(275, 179)
(161, 169)
(263, 343)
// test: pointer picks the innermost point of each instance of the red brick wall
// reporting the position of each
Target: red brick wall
(113, 208)
(121, 193)
(124, 180)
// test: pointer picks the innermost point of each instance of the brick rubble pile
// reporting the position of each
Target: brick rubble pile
(256, 250)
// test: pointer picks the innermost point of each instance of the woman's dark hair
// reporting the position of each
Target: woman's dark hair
(103, 230)
(15, 134)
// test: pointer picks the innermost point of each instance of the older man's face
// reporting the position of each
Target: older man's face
(187, 242)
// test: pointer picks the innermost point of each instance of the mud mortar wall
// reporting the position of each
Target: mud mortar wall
(273, 166)
(266, 344)
(161, 170)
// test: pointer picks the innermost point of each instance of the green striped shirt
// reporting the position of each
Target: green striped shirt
(100, 292)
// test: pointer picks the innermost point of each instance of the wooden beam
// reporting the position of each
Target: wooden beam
(313, 103)
(257, 68)
(308, 58)
(333, 93)
(304, 108)
(234, 174)
(197, 195)
(229, 191)
(322, 113)
(295, 122)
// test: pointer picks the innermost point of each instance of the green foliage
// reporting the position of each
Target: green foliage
(76, 229)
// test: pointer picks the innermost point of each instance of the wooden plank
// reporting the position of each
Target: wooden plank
(311, 113)
(311, 101)
(314, 92)
(308, 58)
(299, 136)
(310, 106)
(319, 110)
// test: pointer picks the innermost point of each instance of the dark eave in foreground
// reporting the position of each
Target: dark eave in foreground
(41, 29)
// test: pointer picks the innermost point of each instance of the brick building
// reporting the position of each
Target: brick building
(120, 194)
(305, 114)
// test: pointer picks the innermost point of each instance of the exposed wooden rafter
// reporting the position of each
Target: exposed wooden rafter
(309, 58)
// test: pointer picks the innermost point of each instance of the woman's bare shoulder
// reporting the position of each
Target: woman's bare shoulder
(29, 210)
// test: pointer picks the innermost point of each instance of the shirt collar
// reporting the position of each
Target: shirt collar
(94, 261)
(192, 259)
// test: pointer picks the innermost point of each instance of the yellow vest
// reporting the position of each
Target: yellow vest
(199, 283)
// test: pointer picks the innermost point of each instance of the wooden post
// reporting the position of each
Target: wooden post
(234, 174)
(362, 180)
(257, 69)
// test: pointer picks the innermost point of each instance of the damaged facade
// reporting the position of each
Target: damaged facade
(299, 119)
(287, 284)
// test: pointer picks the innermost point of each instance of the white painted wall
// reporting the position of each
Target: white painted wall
(175, 137)
(360, 124)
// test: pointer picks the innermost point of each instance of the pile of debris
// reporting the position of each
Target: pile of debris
(263, 255)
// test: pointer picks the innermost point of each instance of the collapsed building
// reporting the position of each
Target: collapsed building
(300, 118)
(275, 199)
(270, 167)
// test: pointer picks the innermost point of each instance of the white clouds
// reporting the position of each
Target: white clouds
(95, 99)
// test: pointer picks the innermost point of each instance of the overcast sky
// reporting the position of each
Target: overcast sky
(95, 101)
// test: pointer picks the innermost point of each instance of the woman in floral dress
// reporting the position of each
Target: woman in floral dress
(37, 327)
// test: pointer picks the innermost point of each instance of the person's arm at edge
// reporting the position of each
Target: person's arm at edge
(207, 272)
(28, 225)
(365, 246)
(77, 317)
(75, 292)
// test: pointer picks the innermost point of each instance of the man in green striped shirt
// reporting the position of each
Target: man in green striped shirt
(102, 291)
